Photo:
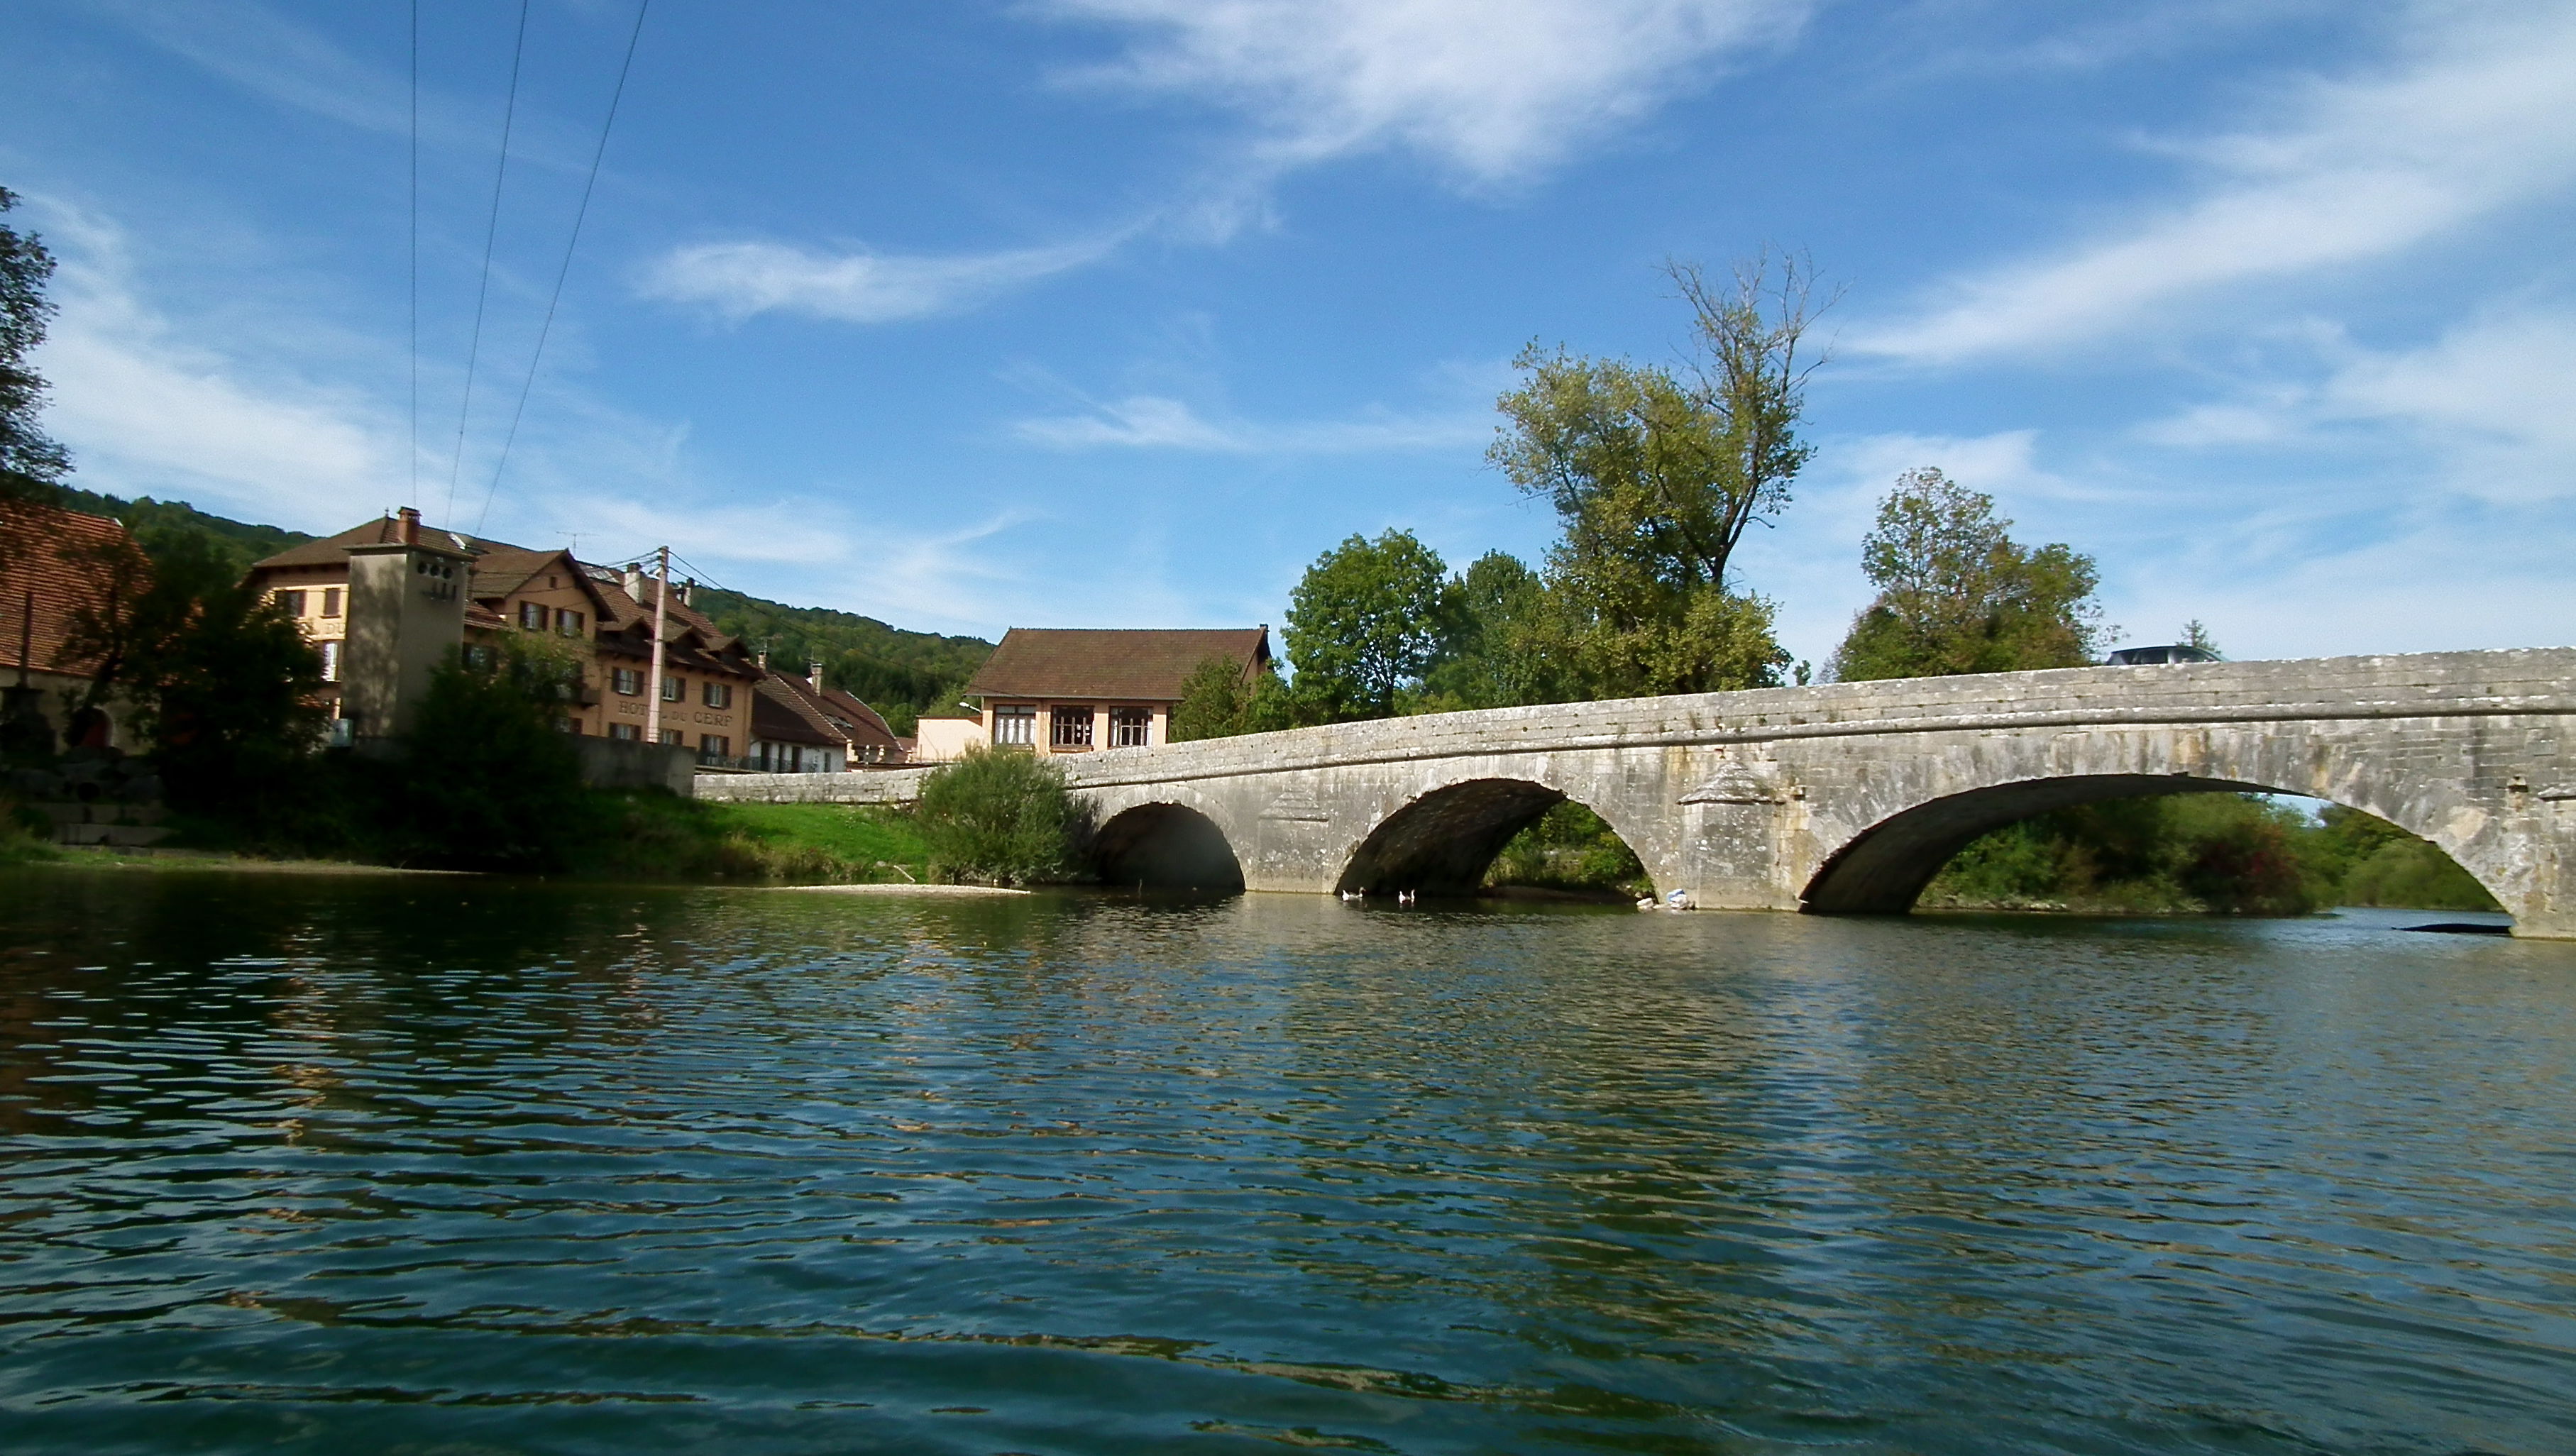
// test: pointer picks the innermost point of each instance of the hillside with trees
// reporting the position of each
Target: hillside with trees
(900, 674)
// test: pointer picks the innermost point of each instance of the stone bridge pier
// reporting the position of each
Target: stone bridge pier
(1847, 798)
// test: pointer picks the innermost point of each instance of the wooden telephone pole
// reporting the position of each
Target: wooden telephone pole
(661, 614)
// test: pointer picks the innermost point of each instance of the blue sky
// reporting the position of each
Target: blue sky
(1118, 312)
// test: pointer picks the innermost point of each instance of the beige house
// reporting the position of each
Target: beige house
(942, 737)
(419, 593)
(1082, 690)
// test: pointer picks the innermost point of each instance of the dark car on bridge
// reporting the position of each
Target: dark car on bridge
(2157, 656)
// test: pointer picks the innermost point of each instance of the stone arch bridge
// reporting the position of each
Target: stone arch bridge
(1847, 797)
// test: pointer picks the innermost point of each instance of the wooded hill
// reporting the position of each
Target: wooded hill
(900, 674)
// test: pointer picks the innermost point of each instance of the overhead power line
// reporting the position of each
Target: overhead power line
(414, 495)
(491, 228)
(580, 213)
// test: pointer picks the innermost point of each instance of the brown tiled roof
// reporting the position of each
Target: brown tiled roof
(781, 713)
(42, 546)
(1142, 666)
(334, 550)
(826, 711)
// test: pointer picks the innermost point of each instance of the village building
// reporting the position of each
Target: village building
(1082, 690)
(798, 725)
(942, 737)
(603, 618)
(58, 563)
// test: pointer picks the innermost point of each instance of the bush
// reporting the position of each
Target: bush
(488, 781)
(1570, 848)
(998, 815)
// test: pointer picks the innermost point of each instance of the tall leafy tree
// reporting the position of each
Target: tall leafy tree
(1656, 474)
(31, 463)
(1364, 622)
(1956, 594)
(1495, 654)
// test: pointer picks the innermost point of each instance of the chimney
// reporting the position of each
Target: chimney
(764, 659)
(814, 674)
(632, 579)
(410, 526)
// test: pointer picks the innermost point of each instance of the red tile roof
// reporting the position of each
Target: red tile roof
(43, 566)
(1146, 666)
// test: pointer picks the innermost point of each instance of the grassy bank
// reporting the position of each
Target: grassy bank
(651, 836)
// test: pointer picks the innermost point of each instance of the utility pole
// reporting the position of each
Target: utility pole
(661, 609)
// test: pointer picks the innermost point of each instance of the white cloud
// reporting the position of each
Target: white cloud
(1154, 422)
(2358, 170)
(739, 280)
(1493, 90)
(2485, 412)
(146, 412)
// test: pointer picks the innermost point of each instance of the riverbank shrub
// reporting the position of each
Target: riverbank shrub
(26, 836)
(999, 816)
(1572, 849)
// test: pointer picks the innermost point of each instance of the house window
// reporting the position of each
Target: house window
(1017, 726)
(672, 737)
(478, 656)
(716, 694)
(1130, 727)
(626, 732)
(627, 680)
(330, 661)
(569, 725)
(292, 601)
(1069, 727)
(714, 745)
(330, 601)
(674, 690)
(568, 623)
(532, 617)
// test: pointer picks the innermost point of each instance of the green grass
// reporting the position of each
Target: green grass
(654, 836)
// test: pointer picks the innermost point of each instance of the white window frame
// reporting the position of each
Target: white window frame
(1016, 726)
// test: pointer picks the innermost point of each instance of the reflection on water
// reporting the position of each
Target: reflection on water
(461, 1167)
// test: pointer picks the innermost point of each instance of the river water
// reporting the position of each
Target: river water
(443, 1166)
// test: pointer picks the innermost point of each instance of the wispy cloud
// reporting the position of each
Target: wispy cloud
(2355, 170)
(148, 412)
(1492, 90)
(2487, 411)
(1155, 422)
(739, 280)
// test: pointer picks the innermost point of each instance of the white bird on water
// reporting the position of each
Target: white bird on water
(1405, 897)
(1354, 894)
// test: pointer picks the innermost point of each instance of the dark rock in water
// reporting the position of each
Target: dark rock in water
(2461, 927)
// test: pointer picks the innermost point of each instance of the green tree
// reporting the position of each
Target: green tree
(1364, 622)
(227, 688)
(488, 780)
(1220, 699)
(1494, 652)
(32, 465)
(1656, 474)
(1000, 815)
(1956, 594)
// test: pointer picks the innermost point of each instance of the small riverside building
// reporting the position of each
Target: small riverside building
(799, 725)
(57, 564)
(1086, 690)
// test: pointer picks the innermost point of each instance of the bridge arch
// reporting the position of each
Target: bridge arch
(1885, 867)
(1165, 845)
(1443, 839)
